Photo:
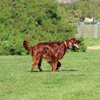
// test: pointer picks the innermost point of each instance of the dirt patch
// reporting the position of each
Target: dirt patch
(93, 47)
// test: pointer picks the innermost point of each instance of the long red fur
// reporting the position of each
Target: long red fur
(53, 52)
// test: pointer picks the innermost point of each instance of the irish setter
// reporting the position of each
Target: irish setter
(53, 52)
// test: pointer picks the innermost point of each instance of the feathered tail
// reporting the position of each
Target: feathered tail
(25, 44)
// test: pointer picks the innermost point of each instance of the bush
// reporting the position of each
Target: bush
(82, 46)
(36, 21)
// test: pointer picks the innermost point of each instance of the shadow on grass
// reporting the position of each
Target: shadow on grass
(56, 71)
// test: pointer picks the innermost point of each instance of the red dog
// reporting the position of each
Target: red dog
(53, 52)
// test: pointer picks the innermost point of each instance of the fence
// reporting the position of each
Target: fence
(66, 1)
(91, 31)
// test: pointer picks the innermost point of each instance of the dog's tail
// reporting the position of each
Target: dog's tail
(25, 44)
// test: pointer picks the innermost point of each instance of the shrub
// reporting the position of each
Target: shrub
(36, 21)
(82, 46)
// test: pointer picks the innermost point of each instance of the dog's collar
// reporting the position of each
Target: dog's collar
(65, 44)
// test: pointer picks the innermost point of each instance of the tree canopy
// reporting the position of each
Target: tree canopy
(40, 21)
(34, 20)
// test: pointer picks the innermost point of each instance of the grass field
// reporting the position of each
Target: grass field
(77, 79)
(92, 41)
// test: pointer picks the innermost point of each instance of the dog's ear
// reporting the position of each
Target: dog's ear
(70, 45)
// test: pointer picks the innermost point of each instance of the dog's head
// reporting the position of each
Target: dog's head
(72, 43)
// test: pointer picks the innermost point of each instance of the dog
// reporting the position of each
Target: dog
(53, 52)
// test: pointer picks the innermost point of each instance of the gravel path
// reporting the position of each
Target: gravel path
(93, 47)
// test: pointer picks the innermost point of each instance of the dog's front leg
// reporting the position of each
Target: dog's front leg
(54, 66)
(58, 65)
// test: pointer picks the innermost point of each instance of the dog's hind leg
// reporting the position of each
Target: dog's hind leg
(36, 61)
(33, 65)
(39, 66)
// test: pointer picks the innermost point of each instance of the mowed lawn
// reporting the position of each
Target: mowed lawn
(77, 79)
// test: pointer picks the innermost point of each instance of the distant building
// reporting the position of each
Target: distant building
(67, 1)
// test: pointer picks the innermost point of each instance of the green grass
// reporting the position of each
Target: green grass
(92, 41)
(77, 79)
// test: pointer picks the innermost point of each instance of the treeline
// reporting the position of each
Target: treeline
(77, 11)
(39, 21)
